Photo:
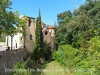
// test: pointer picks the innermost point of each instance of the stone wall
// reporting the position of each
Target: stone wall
(30, 34)
(9, 58)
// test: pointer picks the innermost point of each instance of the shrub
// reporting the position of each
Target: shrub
(47, 51)
(2, 39)
(31, 63)
(21, 69)
(91, 57)
(66, 55)
(83, 61)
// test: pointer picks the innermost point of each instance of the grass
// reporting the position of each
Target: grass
(52, 68)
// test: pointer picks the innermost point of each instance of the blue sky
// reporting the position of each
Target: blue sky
(49, 8)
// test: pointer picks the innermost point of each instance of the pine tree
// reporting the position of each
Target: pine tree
(38, 52)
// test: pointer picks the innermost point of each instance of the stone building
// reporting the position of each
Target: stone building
(48, 34)
(29, 39)
(30, 34)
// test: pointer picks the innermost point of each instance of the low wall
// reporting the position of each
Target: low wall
(3, 43)
(9, 58)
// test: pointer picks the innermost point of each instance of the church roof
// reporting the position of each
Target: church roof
(51, 27)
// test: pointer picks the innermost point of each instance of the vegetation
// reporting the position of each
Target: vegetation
(42, 49)
(38, 51)
(9, 21)
(76, 60)
(4, 4)
(78, 50)
(79, 26)
(53, 68)
(21, 69)
(47, 51)
(2, 39)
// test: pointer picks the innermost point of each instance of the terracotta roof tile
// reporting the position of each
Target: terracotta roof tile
(51, 27)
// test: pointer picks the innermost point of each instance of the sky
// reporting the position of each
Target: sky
(48, 8)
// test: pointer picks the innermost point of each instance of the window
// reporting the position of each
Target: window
(30, 37)
(46, 32)
(21, 38)
(16, 45)
(51, 31)
(29, 22)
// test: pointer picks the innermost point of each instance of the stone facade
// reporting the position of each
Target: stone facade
(29, 39)
(30, 34)
(49, 36)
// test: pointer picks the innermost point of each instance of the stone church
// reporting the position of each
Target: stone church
(48, 34)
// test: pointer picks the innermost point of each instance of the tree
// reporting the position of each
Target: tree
(21, 26)
(83, 24)
(38, 52)
(10, 25)
(61, 29)
(8, 19)
(4, 5)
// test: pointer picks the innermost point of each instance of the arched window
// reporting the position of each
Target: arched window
(30, 37)
(46, 32)
(29, 22)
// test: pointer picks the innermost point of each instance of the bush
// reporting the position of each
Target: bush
(2, 39)
(31, 63)
(21, 69)
(91, 57)
(83, 61)
(47, 51)
(66, 55)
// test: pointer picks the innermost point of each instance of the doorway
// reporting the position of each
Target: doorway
(16, 45)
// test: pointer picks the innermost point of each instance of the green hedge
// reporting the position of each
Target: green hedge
(2, 39)
(80, 61)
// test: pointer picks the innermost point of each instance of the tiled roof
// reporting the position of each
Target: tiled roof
(51, 27)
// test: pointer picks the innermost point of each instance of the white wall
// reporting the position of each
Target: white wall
(52, 32)
(17, 41)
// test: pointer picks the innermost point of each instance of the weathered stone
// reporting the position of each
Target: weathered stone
(9, 58)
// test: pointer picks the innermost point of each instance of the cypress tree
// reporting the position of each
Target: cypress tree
(38, 52)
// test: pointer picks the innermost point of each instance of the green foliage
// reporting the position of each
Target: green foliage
(31, 64)
(81, 31)
(66, 55)
(91, 56)
(2, 39)
(21, 25)
(94, 53)
(47, 51)
(39, 51)
(21, 69)
(82, 25)
(7, 18)
(84, 61)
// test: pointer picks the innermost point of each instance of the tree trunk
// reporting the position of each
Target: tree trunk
(11, 42)
(7, 40)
